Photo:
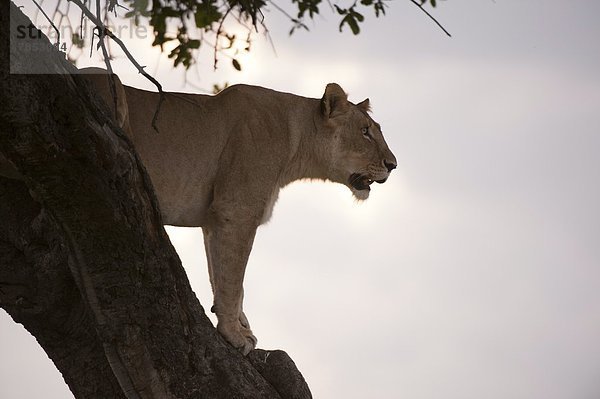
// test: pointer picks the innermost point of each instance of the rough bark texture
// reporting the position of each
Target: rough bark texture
(85, 264)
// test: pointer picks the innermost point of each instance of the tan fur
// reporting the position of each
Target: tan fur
(219, 162)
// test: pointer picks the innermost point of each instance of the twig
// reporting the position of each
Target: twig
(140, 68)
(81, 23)
(431, 16)
(111, 78)
(297, 21)
(51, 23)
(269, 38)
(217, 36)
(112, 4)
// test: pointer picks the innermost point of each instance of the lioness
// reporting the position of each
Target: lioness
(219, 162)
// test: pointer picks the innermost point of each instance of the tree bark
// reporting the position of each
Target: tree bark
(85, 263)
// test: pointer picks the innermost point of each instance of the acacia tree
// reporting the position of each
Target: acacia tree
(85, 264)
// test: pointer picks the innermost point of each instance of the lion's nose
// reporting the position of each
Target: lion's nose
(389, 165)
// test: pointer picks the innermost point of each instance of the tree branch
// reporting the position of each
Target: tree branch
(100, 25)
(431, 16)
(111, 78)
(50, 21)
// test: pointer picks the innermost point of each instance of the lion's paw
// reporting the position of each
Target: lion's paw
(238, 336)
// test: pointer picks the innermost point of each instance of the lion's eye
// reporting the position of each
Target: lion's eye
(366, 132)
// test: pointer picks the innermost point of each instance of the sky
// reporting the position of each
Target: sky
(474, 272)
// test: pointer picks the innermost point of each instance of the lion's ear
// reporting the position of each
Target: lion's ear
(365, 105)
(334, 101)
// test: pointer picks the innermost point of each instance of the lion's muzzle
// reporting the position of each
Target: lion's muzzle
(360, 181)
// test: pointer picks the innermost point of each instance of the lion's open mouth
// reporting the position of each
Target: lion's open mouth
(360, 182)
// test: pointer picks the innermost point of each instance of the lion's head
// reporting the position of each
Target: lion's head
(360, 155)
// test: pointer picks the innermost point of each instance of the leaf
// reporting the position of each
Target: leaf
(141, 4)
(351, 22)
(206, 14)
(217, 89)
(379, 8)
(358, 16)
(354, 26)
(236, 64)
(231, 40)
(77, 40)
(340, 11)
(194, 44)
(171, 13)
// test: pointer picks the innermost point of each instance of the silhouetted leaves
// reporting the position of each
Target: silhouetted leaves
(432, 2)
(206, 15)
(77, 40)
(193, 22)
(351, 17)
(310, 6)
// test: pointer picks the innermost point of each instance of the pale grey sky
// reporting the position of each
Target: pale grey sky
(474, 272)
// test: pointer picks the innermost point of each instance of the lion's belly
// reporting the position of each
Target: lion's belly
(183, 197)
(183, 211)
(184, 217)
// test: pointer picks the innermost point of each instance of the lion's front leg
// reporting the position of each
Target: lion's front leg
(228, 245)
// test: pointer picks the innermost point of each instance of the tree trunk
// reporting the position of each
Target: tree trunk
(85, 264)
